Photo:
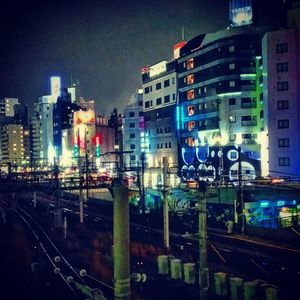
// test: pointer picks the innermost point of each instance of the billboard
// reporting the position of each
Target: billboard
(55, 86)
(240, 13)
(86, 117)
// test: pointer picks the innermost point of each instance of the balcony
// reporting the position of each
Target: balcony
(248, 87)
(249, 142)
(248, 105)
(249, 123)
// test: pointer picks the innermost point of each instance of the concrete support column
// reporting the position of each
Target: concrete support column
(121, 241)
(236, 288)
(220, 279)
(189, 271)
(271, 293)
(203, 270)
(163, 264)
(176, 268)
(250, 290)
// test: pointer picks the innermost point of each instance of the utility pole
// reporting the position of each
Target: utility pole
(203, 269)
(80, 193)
(121, 240)
(240, 193)
(143, 184)
(221, 166)
(57, 215)
(166, 206)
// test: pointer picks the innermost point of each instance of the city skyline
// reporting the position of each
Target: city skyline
(67, 39)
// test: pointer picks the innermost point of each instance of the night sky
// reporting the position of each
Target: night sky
(103, 44)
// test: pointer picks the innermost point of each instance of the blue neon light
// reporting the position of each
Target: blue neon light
(178, 117)
(280, 203)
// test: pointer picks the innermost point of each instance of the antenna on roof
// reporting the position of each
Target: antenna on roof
(182, 33)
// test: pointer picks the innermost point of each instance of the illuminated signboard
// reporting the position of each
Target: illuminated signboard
(241, 12)
(84, 117)
(55, 86)
(176, 49)
(158, 69)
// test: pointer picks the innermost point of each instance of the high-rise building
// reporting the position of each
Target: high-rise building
(220, 104)
(35, 135)
(63, 112)
(281, 61)
(12, 143)
(159, 106)
(7, 107)
(133, 130)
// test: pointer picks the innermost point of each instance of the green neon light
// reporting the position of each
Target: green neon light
(247, 75)
(230, 94)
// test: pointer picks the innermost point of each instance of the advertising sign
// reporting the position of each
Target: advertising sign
(84, 117)
(241, 12)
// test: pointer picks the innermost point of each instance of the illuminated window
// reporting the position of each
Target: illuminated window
(191, 142)
(231, 66)
(191, 110)
(231, 48)
(284, 161)
(191, 125)
(190, 79)
(232, 119)
(191, 94)
(231, 83)
(232, 137)
(190, 63)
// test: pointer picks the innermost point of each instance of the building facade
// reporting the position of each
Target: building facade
(159, 110)
(281, 69)
(12, 144)
(7, 107)
(220, 105)
(133, 130)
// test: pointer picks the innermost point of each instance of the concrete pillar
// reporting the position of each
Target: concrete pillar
(250, 290)
(121, 240)
(271, 293)
(176, 268)
(236, 288)
(220, 283)
(189, 272)
(163, 264)
(203, 270)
